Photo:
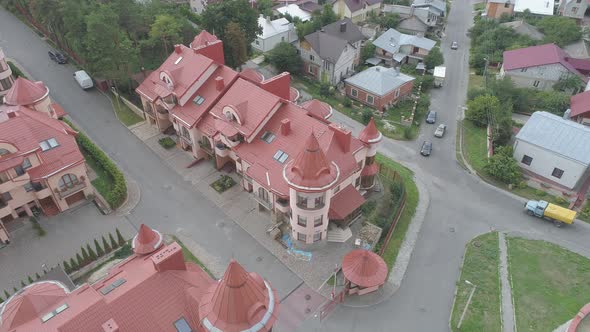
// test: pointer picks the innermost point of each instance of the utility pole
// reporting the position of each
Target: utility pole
(485, 74)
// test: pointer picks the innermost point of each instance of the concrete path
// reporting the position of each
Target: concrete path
(507, 306)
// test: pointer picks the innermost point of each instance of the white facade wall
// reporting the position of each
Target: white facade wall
(345, 65)
(544, 162)
(198, 6)
(573, 8)
(544, 77)
(267, 44)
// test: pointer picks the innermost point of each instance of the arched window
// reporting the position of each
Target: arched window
(68, 181)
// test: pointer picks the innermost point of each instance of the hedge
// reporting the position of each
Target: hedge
(116, 196)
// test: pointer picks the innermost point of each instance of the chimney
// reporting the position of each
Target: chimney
(169, 258)
(110, 326)
(177, 49)
(285, 127)
(342, 136)
(11, 115)
(219, 83)
(343, 26)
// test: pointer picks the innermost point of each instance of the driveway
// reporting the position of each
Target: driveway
(168, 202)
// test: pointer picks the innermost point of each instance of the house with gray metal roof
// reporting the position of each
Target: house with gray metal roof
(379, 87)
(437, 9)
(554, 151)
(333, 52)
(397, 48)
(523, 28)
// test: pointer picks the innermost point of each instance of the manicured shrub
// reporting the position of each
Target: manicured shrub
(124, 252)
(99, 251)
(106, 246)
(167, 143)
(114, 244)
(91, 253)
(540, 192)
(37, 276)
(85, 255)
(22, 284)
(347, 102)
(120, 238)
(67, 267)
(73, 265)
(30, 279)
(6, 294)
(81, 261)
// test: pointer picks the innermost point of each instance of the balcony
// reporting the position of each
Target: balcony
(63, 193)
(4, 209)
(186, 140)
(221, 149)
(264, 202)
(282, 205)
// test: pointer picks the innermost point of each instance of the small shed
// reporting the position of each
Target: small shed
(364, 272)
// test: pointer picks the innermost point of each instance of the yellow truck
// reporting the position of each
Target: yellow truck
(542, 209)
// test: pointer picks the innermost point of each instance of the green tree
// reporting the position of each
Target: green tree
(37, 276)
(366, 116)
(91, 253)
(327, 15)
(481, 109)
(434, 58)
(166, 30)
(555, 102)
(6, 294)
(389, 21)
(503, 166)
(99, 250)
(85, 255)
(217, 16)
(73, 264)
(106, 246)
(30, 279)
(22, 284)
(265, 7)
(284, 57)
(67, 267)
(114, 244)
(368, 51)
(572, 83)
(80, 260)
(120, 238)
(560, 30)
(235, 44)
(14, 290)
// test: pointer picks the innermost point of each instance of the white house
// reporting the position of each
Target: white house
(573, 8)
(274, 32)
(356, 10)
(553, 150)
(538, 7)
(294, 11)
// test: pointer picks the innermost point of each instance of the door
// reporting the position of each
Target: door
(75, 198)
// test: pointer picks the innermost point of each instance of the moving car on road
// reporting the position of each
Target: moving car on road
(426, 149)
(454, 45)
(440, 130)
(542, 209)
(431, 117)
(57, 57)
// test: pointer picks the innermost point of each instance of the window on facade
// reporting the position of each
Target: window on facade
(19, 170)
(319, 202)
(185, 133)
(6, 196)
(522, 70)
(357, 182)
(317, 237)
(575, 10)
(3, 152)
(301, 201)
(28, 187)
(301, 237)
(311, 57)
(506, 5)
(263, 194)
(68, 181)
(5, 83)
(198, 100)
(302, 221)
(181, 325)
(257, 42)
(318, 221)
(326, 65)
(282, 39)
(4, 177)
(268, 137)
(48, 144)
(354, 92)
(578, 1)
(26, 163)
(527, 160)
(310, 69)
(558, 173)
(536, 83)
(370, 99)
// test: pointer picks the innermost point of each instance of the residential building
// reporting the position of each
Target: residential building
(248, 123)
(379, 87)
(413, 25)
(573, 8)
(523, 28)
(273, 33)
(437, 9)
(554, 151)
(40, 166)
(580, 108)
(154, 290)
(356, 10)
(423, 14)
(496, 8)
(398, 48)
(578, 50)
(542, 66)
(33, 95)
(332, 53)
(302, 11)
(537, 7)
(6, 79)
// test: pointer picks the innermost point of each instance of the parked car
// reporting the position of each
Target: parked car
(431, 117)
(454, 45)
(440, 130)
(57, 57)
(83, 79)
(426, 149)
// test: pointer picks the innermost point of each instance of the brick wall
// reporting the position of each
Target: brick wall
(315, 69)
(379, 103)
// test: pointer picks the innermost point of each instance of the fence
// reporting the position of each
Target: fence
(394, 177)
(129, 104)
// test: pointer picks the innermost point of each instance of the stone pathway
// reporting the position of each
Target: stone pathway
(507, 306)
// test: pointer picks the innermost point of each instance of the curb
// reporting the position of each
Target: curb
(132, 200)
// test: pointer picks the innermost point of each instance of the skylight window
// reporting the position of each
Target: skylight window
(55, 312)
(182, 326)
(280, 156)
(48, 144)
(112, 286)
(198, 100)
(268, 137)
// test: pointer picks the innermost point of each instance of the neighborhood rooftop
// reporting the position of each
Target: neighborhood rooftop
(539, 7)
(379, 80)
(391, 41)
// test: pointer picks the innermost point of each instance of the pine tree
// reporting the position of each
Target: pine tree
(30, 279)
(14, 290)
(6, 294)
(22, 284)
(99, 251)
(120, 238)
(106, 246)
(67, 267)
(81, 262)
(114, 244)
(85, 256)
(91, 253)
(1, 299)
(37, 276)
(73, 264)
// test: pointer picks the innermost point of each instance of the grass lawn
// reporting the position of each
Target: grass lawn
(125, 115)
(549, 284)
(103, 182)
(188, 255)
(475, 145)
(479, 6)
(481, 268)
(585, 213)
(390, 253)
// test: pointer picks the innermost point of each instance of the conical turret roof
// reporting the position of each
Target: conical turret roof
(364, 268)
(311, 170)
(147, 240)
(370, 134)
(25, 92)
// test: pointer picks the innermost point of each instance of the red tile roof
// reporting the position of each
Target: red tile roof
(202, 39)
(25, 92)
(58, 110)
(318, 109)
(370, 134)
(364, 268)
(580, 104)
(28, 128)
(252, 75)
(238, 302)
(146, 241)
(345, 202)
(538, 56)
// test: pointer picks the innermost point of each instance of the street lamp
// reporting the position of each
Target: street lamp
(468, 302)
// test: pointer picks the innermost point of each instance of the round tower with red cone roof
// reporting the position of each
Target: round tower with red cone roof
(34, 95)
(310, 177)
(146, 240)
(371, 137)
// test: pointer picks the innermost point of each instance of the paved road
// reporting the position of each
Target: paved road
(168, 202)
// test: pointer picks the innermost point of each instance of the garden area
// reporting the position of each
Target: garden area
(124, 113)
(223, 183)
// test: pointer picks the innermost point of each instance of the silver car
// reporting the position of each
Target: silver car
(440, 130)
(454, 45)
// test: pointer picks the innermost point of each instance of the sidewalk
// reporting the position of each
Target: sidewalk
(507, 306)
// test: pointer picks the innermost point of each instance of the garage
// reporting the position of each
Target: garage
(75, 198)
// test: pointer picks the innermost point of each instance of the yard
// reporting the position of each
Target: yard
(549, 284)
(474, 145)
(481, 268)
(103, 182)
(124, 114)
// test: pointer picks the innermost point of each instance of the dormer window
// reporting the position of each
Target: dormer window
(48, 144)
(268, 137)
(54, 313)
(229, 116)
(3, 152)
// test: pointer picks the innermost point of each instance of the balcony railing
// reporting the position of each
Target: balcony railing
(264, 202)
(63, 193)
(187, 140)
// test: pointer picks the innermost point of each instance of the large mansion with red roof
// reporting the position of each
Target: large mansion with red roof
(542, 66)
(154, 290)
(297, 164)
(40, 163)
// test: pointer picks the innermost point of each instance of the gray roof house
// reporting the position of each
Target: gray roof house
(579, 49)
(437, 8)
(554, 150)
(398, 46)
(379, 80)
(410, 12)
(523, 28)
(413, 25)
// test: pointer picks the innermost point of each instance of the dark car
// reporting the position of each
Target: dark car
(57, 57)
(426, 149)
(431, 117)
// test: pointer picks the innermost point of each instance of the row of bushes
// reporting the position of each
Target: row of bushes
(88, 255)
(16, 72)
(118, 192)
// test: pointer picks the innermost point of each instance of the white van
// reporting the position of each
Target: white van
(83, 79)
